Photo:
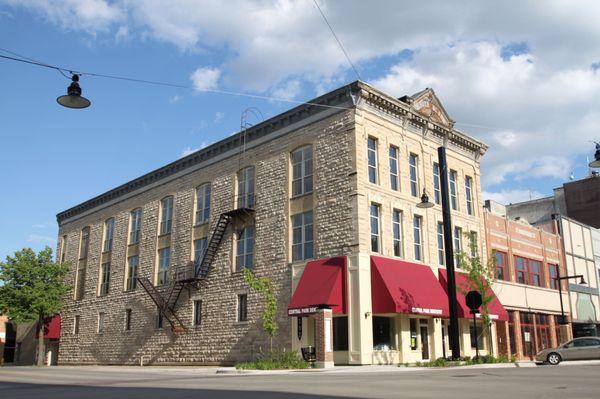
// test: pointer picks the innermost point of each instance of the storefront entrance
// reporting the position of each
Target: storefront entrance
(424, 340)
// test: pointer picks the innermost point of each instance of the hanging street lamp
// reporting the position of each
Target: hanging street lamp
(73, 98)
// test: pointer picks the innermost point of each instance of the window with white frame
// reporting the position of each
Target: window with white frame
(413, 165)
(200, 246)
(164, 259)
(245, 197)
(417, 237)
(166, 215)
(302, 171)
(132, 272)
(440, 244)
(375, 211)
(372, 159)
(394, 172)
(469, 194)
(457, 245)
(244, 248)
(135, 230)
(397, 232)
(105, 279)
(437, 191)
(302, 236)
(453, 177)
(203, 203)
(109, 229)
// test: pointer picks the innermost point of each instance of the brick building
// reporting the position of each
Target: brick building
(321, 199)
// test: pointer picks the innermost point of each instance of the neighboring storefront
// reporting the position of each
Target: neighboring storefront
(26, 350)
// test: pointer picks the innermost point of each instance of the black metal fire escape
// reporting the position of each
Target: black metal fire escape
(190, 274)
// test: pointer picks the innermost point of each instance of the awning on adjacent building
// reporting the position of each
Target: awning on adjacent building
(495, 309)
(322, 284)
(403, 287)
(52, 327)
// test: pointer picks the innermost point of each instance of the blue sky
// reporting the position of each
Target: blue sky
(526, 90)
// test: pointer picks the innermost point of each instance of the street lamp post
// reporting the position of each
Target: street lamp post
(448, 250)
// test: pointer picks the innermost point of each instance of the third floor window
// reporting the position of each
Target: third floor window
(372, 159)
(166, 215)
(394, 175)
(453, 196)
(203, 203)
(302, 171)
(135, 230)
(437, 192)
(469, 194)
(413, 164)
(245, 192)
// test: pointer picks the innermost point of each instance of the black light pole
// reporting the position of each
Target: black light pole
(449, 252)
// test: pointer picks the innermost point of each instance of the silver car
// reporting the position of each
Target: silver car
(584, 348)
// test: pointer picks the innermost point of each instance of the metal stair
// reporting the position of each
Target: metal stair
(162, 305)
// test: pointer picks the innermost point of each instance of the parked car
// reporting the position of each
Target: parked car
(584, 348)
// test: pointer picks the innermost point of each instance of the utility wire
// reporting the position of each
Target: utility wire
(337, 39)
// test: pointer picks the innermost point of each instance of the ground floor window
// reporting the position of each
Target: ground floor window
(477, 337)
(383, 333)
(511, 333)
(413, 334)
(340, 333)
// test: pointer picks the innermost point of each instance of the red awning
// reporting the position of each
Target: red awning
(52, 327)
(323, 283)
(495, 308)
(403, 287)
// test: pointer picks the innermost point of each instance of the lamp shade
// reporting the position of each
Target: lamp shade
(74, 99)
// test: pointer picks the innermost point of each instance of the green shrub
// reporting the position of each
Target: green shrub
(275, 360)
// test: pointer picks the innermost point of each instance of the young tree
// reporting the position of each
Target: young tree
(32, 286)
(265, 287)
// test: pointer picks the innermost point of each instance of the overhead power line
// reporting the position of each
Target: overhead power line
(337, 40)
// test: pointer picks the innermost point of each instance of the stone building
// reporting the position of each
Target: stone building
(321, 199)
(529, 259)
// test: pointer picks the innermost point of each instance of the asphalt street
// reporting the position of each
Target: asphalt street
(580, 381)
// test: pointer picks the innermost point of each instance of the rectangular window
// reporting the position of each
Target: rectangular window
(63, 249)
(457, 245)
(413, 163)
(469, 194)
(85, 243)
(82, 263)
(553, 276)
(397, 232)
(535, 272)
(200, 246)
(164, 258)
(76, 321)
(476, 339)
(453, 177)
(136, 226)
(245, 248)
(394, 175)
(127, 319)
(302, 171)
(105, 280)
(372, 159)
(413, 334)
(383, 333)
(417, 223)
(166, 212)
(340, 333)
(159, 319)
(203, 203)
(521, 269)
(473, 243)
(109, 229)
(132, 272)
(437, 190)
(242, 308)
(246, 188)
(375, 229)
(101, 316)
(440, 244)
(302, 236)
(501, 266)
(197, 312)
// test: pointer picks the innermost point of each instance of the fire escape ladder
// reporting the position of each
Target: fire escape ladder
(162, 305)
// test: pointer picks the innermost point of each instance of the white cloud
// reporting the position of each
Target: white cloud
(288, 90)
(39, 226)
(219, 117)
(41, 239)
(175, 99)
(512, 196)
(189, 150)
(205, 78)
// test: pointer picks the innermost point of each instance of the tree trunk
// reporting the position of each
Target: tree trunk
(41, 344)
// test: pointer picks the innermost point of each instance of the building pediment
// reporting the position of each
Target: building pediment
(428, 104)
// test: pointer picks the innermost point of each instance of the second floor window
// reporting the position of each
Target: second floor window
(372, 159)
(203, 203)
(164, 258)
(413, 162)
(246, 188)
(458, 247)
(135, 230)
(440, 244)
(394, 175)
(417, 237)
(535, 272)
(453, 197)
(109, 229)
(501, 266)
(105, 280)
(469, 194)
(166, 215)
(245, 248)
(521, 269)
(437, 191)
(302, 236)
(553, 276)
(375, 228)
(397, 232)
(132, 272)
(302, 171)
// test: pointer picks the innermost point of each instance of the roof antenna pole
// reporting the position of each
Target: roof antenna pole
(244, 125)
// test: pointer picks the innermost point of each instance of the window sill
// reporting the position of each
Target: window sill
(241, 323)
(295, 197)
(164, 235)
(202, 223)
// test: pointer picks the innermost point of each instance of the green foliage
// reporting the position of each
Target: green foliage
(465, 361)
(264, 286)
(275, 360)
(32, 285)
